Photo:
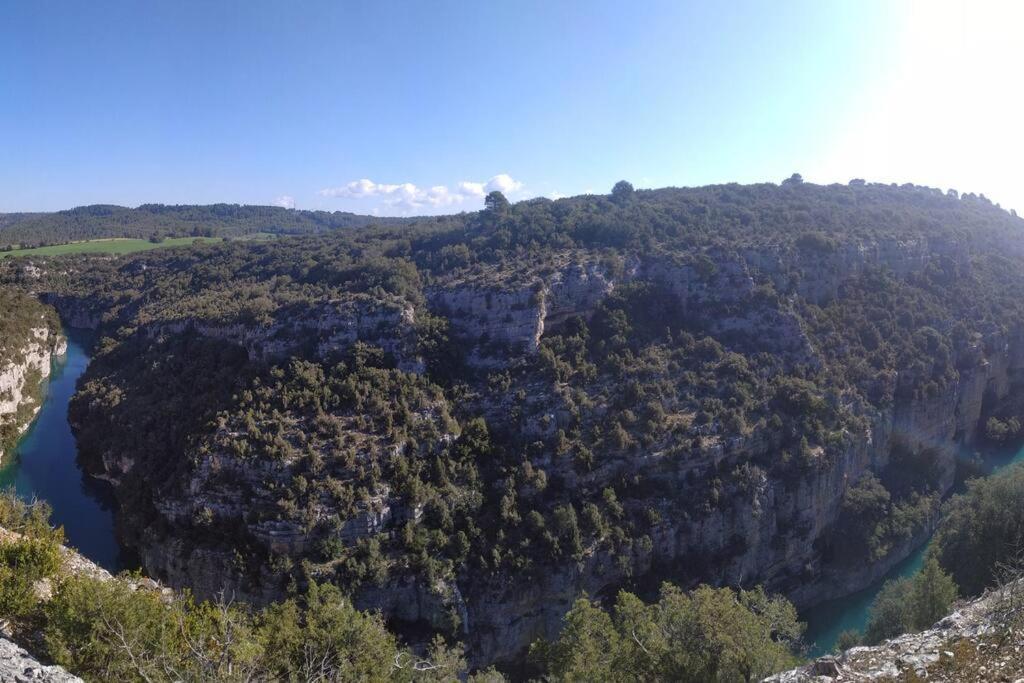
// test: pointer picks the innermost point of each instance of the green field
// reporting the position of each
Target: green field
(107, 246)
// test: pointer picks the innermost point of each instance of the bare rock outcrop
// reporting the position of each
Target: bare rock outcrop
(18, 666)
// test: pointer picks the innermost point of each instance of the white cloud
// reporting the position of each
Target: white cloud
(471, 189)
(503, 183)
(410, 198)
(285, 201)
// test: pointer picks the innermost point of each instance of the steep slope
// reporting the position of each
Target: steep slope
(29, 338)
(470, 422)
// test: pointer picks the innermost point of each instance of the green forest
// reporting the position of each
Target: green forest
(27, 230)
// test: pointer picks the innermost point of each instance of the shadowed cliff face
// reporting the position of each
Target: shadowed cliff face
(468, 446)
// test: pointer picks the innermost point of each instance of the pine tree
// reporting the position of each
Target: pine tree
(932, 594)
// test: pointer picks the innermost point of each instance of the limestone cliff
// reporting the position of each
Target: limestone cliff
(76, 312)
(323, 328)
(26, 365)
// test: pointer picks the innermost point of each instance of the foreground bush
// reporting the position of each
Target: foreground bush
(107, 630)
(29, 552)
(914, 604)
(121, 630)
(710, 634)
(983, 530)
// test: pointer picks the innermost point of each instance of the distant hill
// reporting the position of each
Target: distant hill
(182, 220)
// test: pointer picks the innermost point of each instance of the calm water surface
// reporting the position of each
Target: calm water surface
(43, 466)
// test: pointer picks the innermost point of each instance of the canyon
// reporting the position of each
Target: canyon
(473, 423)
(767, 531)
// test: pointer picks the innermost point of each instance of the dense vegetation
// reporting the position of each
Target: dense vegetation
(978, 546)
(159, 220)
(124, 629)
(711, 634)
(914, 604)
(981, 536)
(752, 339)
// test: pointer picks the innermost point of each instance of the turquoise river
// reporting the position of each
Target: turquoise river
(827, 620)
(44, 466)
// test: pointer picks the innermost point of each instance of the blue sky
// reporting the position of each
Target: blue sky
(420, 107)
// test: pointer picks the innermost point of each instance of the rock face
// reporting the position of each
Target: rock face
(931, 654)
(74, 312)
(326, 328)
(496, 321)
(500, 318)
(18, 666)
(19, 402)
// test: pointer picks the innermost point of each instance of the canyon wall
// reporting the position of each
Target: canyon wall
(20, 397)
(764, 534)
(766, 529)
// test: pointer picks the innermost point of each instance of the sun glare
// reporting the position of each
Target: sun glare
(948, 114)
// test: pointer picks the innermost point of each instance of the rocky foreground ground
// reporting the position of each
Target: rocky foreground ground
(982, 640)
(18, 666)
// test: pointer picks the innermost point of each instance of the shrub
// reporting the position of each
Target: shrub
(905, 605)
(708, 634)
(982, 528)
(816, 241)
